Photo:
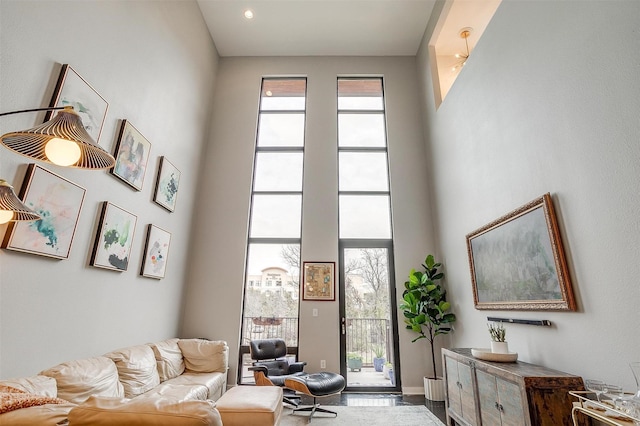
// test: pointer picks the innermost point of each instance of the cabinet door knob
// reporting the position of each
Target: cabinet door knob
(501, 408)
(497, 406)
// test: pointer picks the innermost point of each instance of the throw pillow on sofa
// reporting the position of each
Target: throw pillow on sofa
(203, 356)
(136, 369)
(168, 358)
(79, 379)
(38, 385)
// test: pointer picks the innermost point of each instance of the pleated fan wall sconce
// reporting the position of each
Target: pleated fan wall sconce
(62, 140)
(11, 208)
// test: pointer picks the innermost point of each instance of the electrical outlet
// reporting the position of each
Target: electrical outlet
(323, 363)
(314, 312)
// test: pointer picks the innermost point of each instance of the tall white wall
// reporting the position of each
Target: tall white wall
(548, 102)
(155, 64)
(214, 296)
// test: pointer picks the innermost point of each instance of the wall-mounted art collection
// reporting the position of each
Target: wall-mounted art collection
(112, 245)
(132, 155)
(156, 252)
(73, 90)
(59, 202)
(167, 184)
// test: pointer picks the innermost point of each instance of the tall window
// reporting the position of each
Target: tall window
(365, 210)
(273, 249)
(366, 249)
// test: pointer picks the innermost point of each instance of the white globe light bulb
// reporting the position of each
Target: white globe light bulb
(5, 216)
(62, 152)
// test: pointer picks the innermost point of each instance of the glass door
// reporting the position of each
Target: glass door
(367, 307)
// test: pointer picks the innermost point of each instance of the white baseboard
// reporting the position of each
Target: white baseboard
(413, 390)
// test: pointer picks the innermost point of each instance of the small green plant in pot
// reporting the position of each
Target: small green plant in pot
(498, 338)
(425, 307)
(354, 361)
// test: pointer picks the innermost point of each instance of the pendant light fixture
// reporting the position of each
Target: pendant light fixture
(62, 140)
(462, 57)
(11, 208)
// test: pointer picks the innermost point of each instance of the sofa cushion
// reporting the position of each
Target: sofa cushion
(77, 380)
(136, 369)
(38, 385)
(168, 359)
(48, 414)
(214, 383)
(204, 356)
(177, 391)
(144, 411)
(251, 405)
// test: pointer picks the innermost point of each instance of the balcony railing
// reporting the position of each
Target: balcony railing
(364, 335)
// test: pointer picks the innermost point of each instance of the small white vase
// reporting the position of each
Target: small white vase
(500, 347)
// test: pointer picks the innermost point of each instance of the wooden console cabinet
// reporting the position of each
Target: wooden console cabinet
(483, 393)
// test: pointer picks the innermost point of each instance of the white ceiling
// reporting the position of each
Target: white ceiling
(317, 27)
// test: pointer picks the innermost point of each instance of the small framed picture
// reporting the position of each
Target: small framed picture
(167, 185)
(318, 281)
(59, 202)
(73, 90)
(132, 155)
(112, 247)
(156, 252)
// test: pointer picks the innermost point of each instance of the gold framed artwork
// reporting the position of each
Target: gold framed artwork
(517, 262)
(73, 90)
(156, 252)
(318, 281)
(132, 155)
(59, 202)
(167, 184)
(112, 246)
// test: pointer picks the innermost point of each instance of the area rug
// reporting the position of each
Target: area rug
(405, 415)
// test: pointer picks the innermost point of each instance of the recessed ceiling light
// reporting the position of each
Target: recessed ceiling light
(269, 93)
(248, 14)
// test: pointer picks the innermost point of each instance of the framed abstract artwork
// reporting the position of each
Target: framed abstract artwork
(73, 90)
(517, 262)
(156, 252)
(59, 202)
(167, 184)
(112, 247)
(132, 155)
(318, 281)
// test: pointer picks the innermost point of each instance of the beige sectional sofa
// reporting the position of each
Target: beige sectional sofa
(161, 373)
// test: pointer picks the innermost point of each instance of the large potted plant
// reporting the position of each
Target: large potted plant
(427, 312)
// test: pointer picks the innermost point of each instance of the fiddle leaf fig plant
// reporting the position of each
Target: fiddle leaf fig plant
(425, 307)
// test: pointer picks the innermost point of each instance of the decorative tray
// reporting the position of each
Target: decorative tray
(487, 355)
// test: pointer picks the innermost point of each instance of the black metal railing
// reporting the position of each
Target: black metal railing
(270, 327)
(364, 335)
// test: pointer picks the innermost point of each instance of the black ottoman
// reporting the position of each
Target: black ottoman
(315, 385)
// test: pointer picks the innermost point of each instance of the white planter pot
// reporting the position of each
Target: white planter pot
(385, 371)
(500, 347)
(434, 389)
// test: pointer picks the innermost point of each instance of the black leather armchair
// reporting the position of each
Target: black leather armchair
(270, 368)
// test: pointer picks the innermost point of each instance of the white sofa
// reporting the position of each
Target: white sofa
(161, 373)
